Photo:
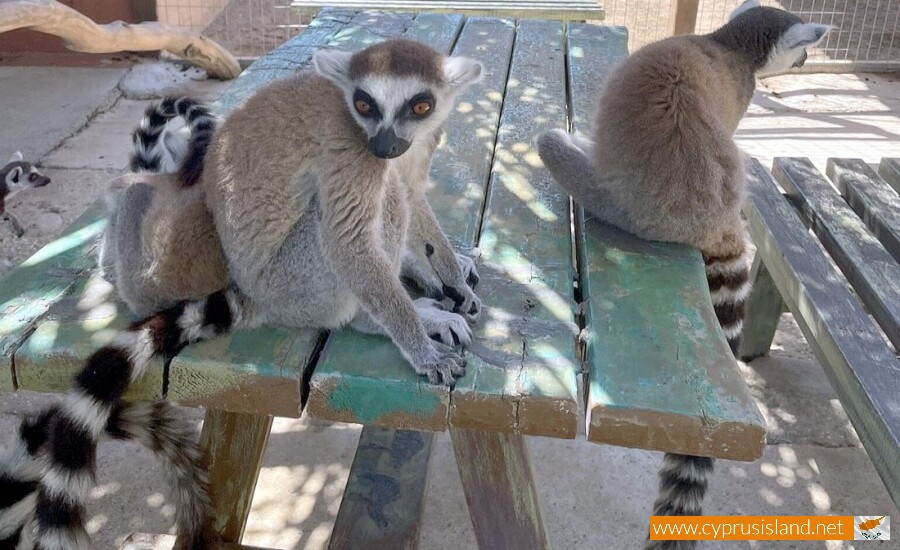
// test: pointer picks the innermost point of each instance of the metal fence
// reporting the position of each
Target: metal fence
(864, 37)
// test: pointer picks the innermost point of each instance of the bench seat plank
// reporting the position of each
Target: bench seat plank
(861, 365)
(874, 274)
(889, 169)
(565, 10)
(460, 175)
(873, 199)
(384, 497)
(661, 374)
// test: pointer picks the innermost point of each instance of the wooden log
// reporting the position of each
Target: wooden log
(496, 476)
(763, 311)
(385, 493)
(874, 274)
(83, 35)
(861, 365)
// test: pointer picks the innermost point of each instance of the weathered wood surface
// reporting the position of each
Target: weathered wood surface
(763, 310)
(146, 541)
(861, 365)
(874, 274)
(661, 374)
(564, 10)
(873, 199)
(889, 169)
(384, 497)
(495, 471)
(233, 445)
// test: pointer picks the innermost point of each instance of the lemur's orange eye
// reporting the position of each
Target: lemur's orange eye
(421, 108)
(362, 107)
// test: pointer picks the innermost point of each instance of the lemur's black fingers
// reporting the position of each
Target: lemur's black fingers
(454, 295)
(474, 309)
(472, 280)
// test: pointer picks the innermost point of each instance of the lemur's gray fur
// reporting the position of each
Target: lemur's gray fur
(17, 175)
(662, 164)
(313, 226)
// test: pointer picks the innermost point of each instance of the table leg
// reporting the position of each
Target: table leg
(763, 310)
(233, 445)
(500, 491)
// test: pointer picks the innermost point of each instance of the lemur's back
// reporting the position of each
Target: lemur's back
(664, 124)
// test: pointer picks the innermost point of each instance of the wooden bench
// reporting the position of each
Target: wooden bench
(564, 10)
(656, 373)
(847, 302)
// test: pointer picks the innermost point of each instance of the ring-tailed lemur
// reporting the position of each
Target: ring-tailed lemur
(316, 189)
(17, 175)
(663, 165)
(47, 474)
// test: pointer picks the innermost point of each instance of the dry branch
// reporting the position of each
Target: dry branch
(83, 35)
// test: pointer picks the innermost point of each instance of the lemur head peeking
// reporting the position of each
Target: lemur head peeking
(398, 90)
(18, 175)
(775, 39)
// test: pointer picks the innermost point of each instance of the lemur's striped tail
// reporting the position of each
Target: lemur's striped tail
(729, 286)
(682, 485)
(88, 408)
(148, 156)
(154, 425)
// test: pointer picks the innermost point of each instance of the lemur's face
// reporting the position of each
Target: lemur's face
(22, 175)
(399, 92)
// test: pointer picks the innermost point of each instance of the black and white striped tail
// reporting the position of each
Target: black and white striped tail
(729, 287)
(86, 411)
(154, 425)
(682, 485)
(148, 155)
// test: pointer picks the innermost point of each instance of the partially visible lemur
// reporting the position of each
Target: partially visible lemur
(15, 176)
(45, 482)
(663, 165)
(316, 190)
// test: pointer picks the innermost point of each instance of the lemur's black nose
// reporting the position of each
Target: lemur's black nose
(386, 145)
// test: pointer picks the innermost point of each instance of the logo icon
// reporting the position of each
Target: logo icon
(871, 528)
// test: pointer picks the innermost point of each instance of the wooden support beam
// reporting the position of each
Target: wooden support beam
(496, 475)
(684, 17)
(763, 311)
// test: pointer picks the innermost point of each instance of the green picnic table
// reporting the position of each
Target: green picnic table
(593, 328)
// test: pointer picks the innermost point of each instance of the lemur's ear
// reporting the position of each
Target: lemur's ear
(333, 65)
(16, 157)
(462, 71)
(805, 34)
(747, 5)
(13, 176)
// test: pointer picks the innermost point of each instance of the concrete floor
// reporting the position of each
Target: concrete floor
(77, 122)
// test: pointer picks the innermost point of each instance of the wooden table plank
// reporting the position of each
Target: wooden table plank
(874, 274)
(571, 10)
(859, 362)
(889, 169)
(523, 376)
(661, 374)
(50, 275)
(873, 199)
(385, 391)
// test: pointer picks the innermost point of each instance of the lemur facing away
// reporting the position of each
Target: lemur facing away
(315, 192)
(15, 176)
(56, 478)
(663, 165)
